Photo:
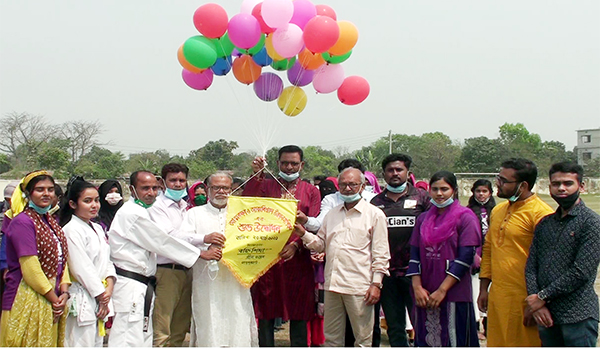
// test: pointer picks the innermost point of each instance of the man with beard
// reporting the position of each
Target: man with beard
(402, 203)
(287, 289)
(505, 251)
(562, 265)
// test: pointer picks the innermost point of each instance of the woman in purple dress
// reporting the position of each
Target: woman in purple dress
(443, 245)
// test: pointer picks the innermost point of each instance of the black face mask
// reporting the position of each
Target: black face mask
(566, 202)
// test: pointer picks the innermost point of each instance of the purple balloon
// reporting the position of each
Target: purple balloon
(268, 87)
(299, 76)
(244, 30)
(198, 81)
(304, 10)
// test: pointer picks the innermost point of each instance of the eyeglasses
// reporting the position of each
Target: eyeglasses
(352, 186)
(220, 188)
(294, 164)
(503, 181)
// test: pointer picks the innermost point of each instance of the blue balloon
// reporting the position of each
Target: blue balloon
(222, 66)
(261, 58)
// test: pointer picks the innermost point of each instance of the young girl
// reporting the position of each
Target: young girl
(443, 245)
(93, 273)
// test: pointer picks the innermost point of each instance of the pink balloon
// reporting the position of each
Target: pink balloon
(328, 78)
(354, 90)
(211, 20)
(324, 10)
(277, 13)
(257, 12)
(248, 5)
(198, 81)
(244, 30)
(287, 41)
(304, 10)
(320, 34)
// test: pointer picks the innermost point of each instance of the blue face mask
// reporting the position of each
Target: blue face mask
(175, 195)
(398, 189)
(515, 196)
(350, 197)
(289, 177)
(39, 210)
(446, 203)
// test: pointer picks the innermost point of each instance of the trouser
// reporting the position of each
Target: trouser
(172, 306)
(395, 300)
(82, 336)
(128, 331)
(337, 306)
(349, 337)
(584, 333)
(266, 333)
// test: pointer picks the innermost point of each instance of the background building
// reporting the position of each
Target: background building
(588, 145)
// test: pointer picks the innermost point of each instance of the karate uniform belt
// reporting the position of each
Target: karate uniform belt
(150, 282)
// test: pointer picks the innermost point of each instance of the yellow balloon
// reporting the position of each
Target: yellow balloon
(292, 101)
(347, 40)
(271, 50)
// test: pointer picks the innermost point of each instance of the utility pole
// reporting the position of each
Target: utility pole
(390, 136)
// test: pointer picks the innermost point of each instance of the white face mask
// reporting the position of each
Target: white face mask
(369, 189)
(113, 198)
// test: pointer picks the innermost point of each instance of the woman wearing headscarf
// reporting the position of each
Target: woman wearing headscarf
(443, 245)
(111, 199)
(37, 281)
(197, 195)
(92, 271)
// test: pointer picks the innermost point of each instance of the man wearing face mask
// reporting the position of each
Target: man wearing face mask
(287, 289)
(402, 204)
(135, 240)
(562, 264)
(172, 308)
(505, 251)
(354, 238)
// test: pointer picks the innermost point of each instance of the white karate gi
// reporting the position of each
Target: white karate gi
(89, 264)
(134, 243)
(222, 311)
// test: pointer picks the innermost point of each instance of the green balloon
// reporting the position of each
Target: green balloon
(199, 51)
(336, 59)
(223, 46)
(284, 64)
(254, 49)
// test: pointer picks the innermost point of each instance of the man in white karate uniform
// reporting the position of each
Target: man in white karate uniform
(221, 307)
(134, 242)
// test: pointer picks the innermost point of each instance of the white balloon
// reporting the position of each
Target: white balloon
(248, 6)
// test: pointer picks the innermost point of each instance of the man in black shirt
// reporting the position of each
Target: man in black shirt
(402, 203)
(562, 264)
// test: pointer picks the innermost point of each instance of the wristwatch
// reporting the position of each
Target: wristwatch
(542, 295)
(378, 285)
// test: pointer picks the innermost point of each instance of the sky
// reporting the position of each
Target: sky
(463, 68)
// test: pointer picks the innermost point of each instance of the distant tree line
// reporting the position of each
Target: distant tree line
(29, 142)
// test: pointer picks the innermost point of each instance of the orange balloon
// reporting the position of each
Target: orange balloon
(185, 64)
(271, 50)
(347, 40)
(309, 60)
(245, 70)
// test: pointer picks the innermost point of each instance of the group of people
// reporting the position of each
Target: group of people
(148, 267)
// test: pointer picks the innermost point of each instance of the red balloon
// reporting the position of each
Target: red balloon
(354, 90)
(257, 12)
(324, 10)
(211, 20)
(320, 34)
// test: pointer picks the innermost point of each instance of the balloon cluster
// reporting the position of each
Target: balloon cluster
(306, 41)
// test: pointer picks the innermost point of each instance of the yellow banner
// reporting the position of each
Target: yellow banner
(257, 229)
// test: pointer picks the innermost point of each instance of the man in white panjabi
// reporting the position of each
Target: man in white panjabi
(134, 241)
(222, 311)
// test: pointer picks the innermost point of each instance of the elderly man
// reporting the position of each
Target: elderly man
(505, 251)
(172, 309)
(135, 240)
(221, 307)
(287, 290)
(354, 238)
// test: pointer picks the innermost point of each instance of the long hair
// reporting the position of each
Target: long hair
(74, 191)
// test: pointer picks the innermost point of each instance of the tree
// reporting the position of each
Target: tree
(592, 167)
(101, 163)
(220, 153)
(318, 161)
(518, 142)
(21, 134)
(4, 163)
(480, 155)
(81, 135)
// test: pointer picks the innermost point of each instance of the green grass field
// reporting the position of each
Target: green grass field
(591, 200)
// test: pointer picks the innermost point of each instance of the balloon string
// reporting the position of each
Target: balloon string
(258, 172)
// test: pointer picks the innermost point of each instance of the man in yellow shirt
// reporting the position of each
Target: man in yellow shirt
(505, 252)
